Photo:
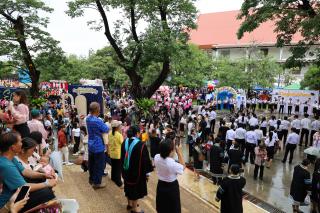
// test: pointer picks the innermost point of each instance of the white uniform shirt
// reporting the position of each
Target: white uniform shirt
(305, 123)
(264, 124)
(230, 135)
(167, 169)
(251, 137)
(296, 123)
(293, 138)
(273, 123)
(273, 140)
(253, 121)
(240, 133)
(285, 124)
(259, 134)
(212, 115)
(315, 125)
(242, 120)
(76, 132)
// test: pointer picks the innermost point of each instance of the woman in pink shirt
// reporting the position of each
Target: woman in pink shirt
(20, 113)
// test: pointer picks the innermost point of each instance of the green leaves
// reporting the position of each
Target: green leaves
(246, 73)
(312, 78)
(291, 17)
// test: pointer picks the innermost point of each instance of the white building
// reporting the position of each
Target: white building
(217, 34)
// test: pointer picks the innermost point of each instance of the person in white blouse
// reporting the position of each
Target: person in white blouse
(306, 125)
(253, 121)
(270, 142)
(240, 135)
(296, 123)
(285, 125)
(291, 145)
(230, 136)
(168, 194)
(251, 143)
(272, 122)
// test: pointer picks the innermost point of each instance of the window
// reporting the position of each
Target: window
(264, 51)
(225, 53)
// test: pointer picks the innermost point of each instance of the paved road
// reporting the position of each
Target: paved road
(111, 199)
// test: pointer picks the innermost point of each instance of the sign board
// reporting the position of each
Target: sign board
(85, 95)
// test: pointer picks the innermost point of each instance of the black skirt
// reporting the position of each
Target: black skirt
(168, 197)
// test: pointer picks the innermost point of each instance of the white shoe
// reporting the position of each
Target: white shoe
(75, 154)
(69, 164)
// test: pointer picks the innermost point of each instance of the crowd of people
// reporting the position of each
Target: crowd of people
(135, 145)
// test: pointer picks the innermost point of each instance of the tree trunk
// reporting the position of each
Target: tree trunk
(34, 73)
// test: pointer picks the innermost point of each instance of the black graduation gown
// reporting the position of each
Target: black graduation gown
(230, 193)
(298, 189)
(216, 159)
(135, 178)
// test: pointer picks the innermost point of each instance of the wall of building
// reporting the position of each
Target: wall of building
(279, 54)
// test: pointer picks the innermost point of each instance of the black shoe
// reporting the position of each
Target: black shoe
(283, 161)
(261, 178)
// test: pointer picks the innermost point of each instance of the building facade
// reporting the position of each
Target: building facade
(217, 34)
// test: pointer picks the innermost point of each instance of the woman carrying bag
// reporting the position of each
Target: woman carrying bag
(168, 194)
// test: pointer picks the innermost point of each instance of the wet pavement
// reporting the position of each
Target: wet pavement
(275, 187)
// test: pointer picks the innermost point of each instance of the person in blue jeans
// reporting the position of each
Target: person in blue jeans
(97, 130)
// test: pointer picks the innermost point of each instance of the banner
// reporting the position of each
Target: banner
(301, 95)
(85, 95)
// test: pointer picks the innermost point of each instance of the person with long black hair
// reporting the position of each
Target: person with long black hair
(300, 184)
(270, 142)
(115, 142)
(20, 113)
(168, 194)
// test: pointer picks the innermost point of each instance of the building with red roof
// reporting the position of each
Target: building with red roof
(217, 34)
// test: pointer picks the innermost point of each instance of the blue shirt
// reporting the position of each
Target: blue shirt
(10, 173)
(96, 128)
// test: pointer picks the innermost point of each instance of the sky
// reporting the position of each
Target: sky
(77, 38)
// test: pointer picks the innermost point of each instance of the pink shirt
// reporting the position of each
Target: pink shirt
(21, 114)
(37, 126)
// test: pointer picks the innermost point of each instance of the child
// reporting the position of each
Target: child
(63, 146)
(84, 137)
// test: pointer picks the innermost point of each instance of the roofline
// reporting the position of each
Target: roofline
(232, 46)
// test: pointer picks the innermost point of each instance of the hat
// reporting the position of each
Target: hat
(35, 113)
(115, 123)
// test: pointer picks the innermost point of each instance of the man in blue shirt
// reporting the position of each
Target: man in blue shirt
(97, 130)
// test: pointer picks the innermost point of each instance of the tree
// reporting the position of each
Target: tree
(312, 78)
(245, 73)
(291, 18)
(167, 24)
(22, 36)
(50, 63)
(191, 67)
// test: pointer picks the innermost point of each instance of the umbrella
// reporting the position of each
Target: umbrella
(313, 151)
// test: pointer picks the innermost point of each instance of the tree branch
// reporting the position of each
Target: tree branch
(108, 33)
(166, 59)
(9, 18)
(306, 6)
(133, 21)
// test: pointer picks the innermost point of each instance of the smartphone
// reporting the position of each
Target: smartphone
(23, 193)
